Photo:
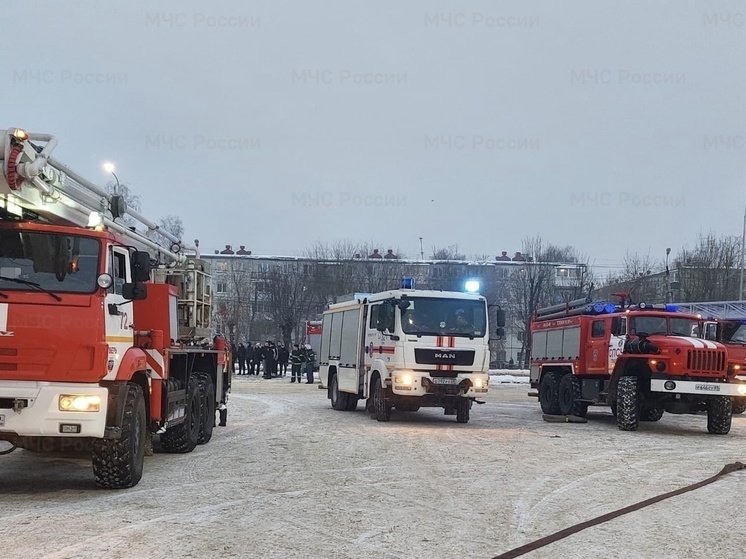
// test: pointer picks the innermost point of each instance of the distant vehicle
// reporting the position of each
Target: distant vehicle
(313, 338)
(406, 349)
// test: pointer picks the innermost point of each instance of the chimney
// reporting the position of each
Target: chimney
(227, 250)
(242, 250)
(518, 257)
(503, 257)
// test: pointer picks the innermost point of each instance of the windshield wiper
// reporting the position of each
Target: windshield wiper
(34, 285)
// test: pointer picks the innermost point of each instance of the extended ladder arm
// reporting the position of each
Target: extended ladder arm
(34, 180)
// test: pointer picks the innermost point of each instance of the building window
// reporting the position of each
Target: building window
(220, 287)
(221, 266)
(265, 267)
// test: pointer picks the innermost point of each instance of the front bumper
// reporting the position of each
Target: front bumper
(40, 414)
(470, 385)
(700, 388)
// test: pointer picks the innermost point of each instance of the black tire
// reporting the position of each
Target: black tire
(738, 405)
(184, 437)
(351, 402)
(207, 396)
(569, 395)
(549, 393)
(628, 405)
(463, 407)
(339, 399)
(651, 413)
(118, 463)
(719, 415)
(381, 405)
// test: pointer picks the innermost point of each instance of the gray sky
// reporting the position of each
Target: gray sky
(604, 125)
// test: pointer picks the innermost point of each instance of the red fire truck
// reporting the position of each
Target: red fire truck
(641, 360)
(105, 339)
(725, 322)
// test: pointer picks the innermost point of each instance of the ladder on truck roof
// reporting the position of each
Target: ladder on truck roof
(722, 310)
(33, 183)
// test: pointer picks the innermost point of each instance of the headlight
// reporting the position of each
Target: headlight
(742, 389)
(405, 379)
(79, 402)
(481, 382)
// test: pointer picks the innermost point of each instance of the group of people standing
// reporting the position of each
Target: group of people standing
(274, 360)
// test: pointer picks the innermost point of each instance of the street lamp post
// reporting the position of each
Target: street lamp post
(110, 168)
(743, 250)
(668, 277)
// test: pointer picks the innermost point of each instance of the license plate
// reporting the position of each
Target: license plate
(444, 380)
(2, 420)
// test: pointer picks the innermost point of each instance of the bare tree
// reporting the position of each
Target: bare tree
(637, 277)
(447, 253)
(288, 300)
(233, 315)
(708, 271)
(174, 225)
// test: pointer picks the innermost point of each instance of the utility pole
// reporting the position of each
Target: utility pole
(743, 250)
(668, 279)
(422, 252)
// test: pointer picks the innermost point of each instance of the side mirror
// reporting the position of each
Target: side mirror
(500, 318)
(134, 291)
(140, 264)
(500, 332)
(403, 304)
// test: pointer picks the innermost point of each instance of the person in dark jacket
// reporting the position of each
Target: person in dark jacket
(283, 355)
(296, 360)
(310, 356)
(249, 359)
(241, 356)
(257, 359)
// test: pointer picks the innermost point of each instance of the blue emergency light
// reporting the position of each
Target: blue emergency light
(672, 308)
(407, 283)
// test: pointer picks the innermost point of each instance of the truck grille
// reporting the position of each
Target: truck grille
(705, 360)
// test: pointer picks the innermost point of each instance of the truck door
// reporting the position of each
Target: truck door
(616, 339)
(118, 310)
(597, 354)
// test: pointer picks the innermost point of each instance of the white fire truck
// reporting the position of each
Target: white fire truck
(406, 349)
(105, 337)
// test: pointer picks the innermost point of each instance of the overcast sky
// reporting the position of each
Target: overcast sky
(604, 125)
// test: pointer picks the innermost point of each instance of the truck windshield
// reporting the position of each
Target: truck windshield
(445, 317)
(50, 261)
(663, 325)
(734, 332)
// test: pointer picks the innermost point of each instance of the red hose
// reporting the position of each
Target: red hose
(15, 152)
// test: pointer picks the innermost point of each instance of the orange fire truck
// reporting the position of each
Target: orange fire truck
(105, 338)
(642, 360)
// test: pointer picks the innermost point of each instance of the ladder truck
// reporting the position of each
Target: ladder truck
(725, 322)
(641, 360)
(105, 336)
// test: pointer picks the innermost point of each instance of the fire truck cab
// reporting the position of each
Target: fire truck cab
(641, 360)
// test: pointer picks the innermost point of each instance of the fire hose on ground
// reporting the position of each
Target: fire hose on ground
(546, 540)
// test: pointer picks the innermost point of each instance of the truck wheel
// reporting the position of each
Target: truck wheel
(570, 393)
(118, 463)
(381, 406)
(628, 407)
(351, 402)
(339, 399)
(463, 406)
(738, 405)
(184, 437)
(651, 414)
(549, 393)
(207, 395)
(719, 415)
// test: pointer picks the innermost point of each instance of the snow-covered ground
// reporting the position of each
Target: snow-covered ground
(291, 478)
